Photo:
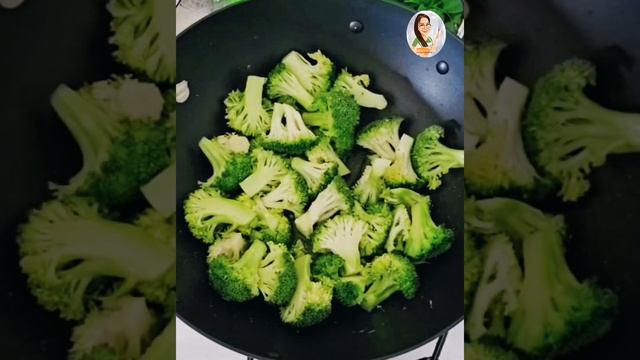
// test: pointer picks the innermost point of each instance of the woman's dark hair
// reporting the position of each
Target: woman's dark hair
(422, 40)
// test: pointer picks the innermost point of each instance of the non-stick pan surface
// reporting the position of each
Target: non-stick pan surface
(215, 56)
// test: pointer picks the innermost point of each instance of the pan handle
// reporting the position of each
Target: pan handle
(437, 350)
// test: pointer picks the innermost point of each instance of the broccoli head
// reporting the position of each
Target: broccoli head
(327, 267)
(432, 159)
(143, 32)
(238, 280)
(349, 290)
(401, 172)
(269, 225)
(371, 184)
(341, 236)
(229, 167)
(206, 209)
(288, 134)
(246, 111)
(70, 254)
(357, 86)
(389, 273)
(379, 219)
(323, 152)
(230, 244)
(568, 134)
(290, 194)
(426, 239)
(315, 78)
(382, 137)
(337, 116)
(277, 275)
(285, 87)
(334, 198)
(481, 351)
(269, 169)
(316, 175)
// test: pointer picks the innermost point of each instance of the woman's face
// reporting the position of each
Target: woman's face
(424, 27)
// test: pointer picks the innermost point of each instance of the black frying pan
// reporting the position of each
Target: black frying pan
(215, 56)
(603, 223)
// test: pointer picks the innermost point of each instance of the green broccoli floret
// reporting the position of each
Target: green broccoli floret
(341, 236)
(555, 312)
(357, 86)
(311, 302)
(119, 156)
(316, 175)
(349, 290)
(389, 273)
(269, 169)
(426, 239)
(399, 231)
(480, 351)
(205, 210)
(163, 347)
(299, 249)
(283, 86)
(316, 79)
(379, 219)
(480, 89)
(568, 134)
(277, 275)
(496, 295)
(143, 33)
(334, 198)
(327, 267)
(68, 250)
(432, 159)
(371, 184)
(229, 167)
(269, 225)
(238, 280)
(472, 269)
(290, 194)
(338, 115)
(401, 172)
(230, 244)
(247, 112)
(290, 136)
(323, 153)
(119, 331)
(382, 137)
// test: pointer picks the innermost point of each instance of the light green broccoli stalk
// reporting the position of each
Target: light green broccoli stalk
(323, 153)
(316, 175)
(246, 111)
(357, 87)
(341, 236)
(399, 231)
(238, 280)
(269, 169)
(290, 195)
(288, 134)
(382, 137)
(371, 184)
(230, 244)
(334, 198)
(401, 172)
(314, 78)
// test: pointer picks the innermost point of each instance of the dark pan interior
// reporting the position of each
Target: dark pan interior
(604, 240)
(215, 56)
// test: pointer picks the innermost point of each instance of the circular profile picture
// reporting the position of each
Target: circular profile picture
(426, 33)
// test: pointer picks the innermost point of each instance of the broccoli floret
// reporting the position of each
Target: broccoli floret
(327, 267)
(238, 280)
(334, 198)
(229, 167)
(426, 239)
(472, 269)
(341, 236)
(371, 184)
(283, 86)
(290, 195)
(314, 78)
(143, 32)
(123, 98)
(357, 86)
(70, 254)
(338, 115)
(277, 275)
(349, 290)
(269, 225)
(399, 231)
(323, 153)
(555, 312)
(496, 294)
(498, 164)
(401, 172)
(205, 210)
(119, 331)
(230, 245)
(382, 137)
(269, 169)
(311, 302)
(234, 143)
(480, 351)
(163, 347)
(379, 219)
(389, 273)
(432, 159)
(568, 134)
(290, 136)
(247, 112)
(316, 175)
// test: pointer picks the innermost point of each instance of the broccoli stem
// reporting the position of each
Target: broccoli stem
(257, 181)
(216, 154)
(378, 292)
(232, 210)
(622, 128)
(252, 258)
(323, 119)
(253, 97)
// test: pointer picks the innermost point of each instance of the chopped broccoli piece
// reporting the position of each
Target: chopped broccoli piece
(311, 302)
(399, 231)
(316, 175)
(268, 172)
(205, 210)
(284, 86)
(327, 267)
(334, 198)
(390, 273)
(382, 137)
(357, 86)
(230, 244)
(379, 219)
(238, 280)
(269, 225)
(290, 136)
(316, 78)
(323, 153)
(277, 275)
(432, 159)
(234, 143)
(247, 112)
(349, 290)
(401, 172)
(338, 115)
(371, 184)
(480, 351)
(341, 236)
(480, 89)
(568, 134)
(229, 167)
(290, 194)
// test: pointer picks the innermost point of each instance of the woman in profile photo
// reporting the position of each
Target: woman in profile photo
(423, 43)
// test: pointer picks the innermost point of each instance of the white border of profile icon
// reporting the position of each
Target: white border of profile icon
(427, 37)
